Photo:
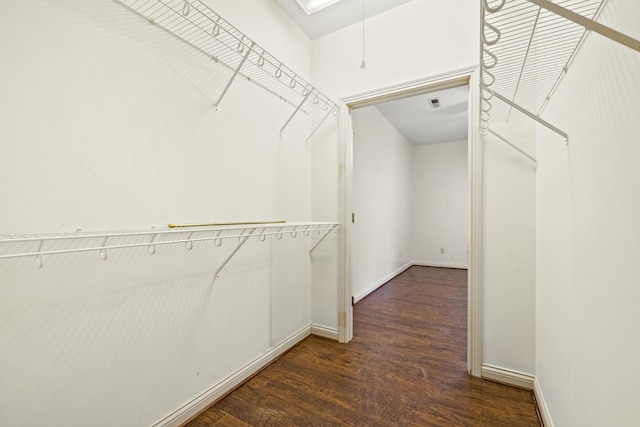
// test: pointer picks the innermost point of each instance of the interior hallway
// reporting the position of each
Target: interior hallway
(406, 366)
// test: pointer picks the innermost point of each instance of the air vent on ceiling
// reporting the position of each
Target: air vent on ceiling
(434, 103)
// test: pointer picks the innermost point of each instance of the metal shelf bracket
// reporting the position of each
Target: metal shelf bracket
(243, 240)
(233, 77)
(333, 228)
(317, 127)
(296, 110)
(528, 113)
(501, 138)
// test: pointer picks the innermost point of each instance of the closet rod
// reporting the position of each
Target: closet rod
(528, 113)
(225, 224)
(589, 24)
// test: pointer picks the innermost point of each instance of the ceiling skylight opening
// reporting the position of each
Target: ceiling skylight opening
(312, 6)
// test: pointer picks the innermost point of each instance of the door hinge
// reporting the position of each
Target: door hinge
(353, 218)
(353, 301)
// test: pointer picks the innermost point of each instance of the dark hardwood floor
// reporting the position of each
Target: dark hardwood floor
(406, 366)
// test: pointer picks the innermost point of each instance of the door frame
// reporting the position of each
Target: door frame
(460, 77)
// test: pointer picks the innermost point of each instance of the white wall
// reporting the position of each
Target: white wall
(325, 172)
(382, 190)
(440, 213)
(95, 99)
(422, 39)
(587, 344)
(106, 123)
(394, 40)
(418, 39)
(509, 249)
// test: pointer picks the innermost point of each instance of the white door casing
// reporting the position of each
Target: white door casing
(468, 76)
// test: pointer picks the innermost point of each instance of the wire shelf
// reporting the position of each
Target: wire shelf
(533, 51)
(40, 245)
(196, 24)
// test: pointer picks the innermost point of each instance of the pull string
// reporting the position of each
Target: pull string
(363, 65)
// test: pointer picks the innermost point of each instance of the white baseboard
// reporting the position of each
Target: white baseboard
(542, 405)
(508, 376)
(458, 265)
(215, 392)
(380, 282)
(324, 331)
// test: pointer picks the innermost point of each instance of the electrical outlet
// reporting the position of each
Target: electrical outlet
(441, 250)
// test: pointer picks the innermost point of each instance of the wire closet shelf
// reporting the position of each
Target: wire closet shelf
(526, 51)
(197, 25)
(39, 246)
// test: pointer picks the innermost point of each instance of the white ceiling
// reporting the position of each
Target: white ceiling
(336, 16)
(420, 124)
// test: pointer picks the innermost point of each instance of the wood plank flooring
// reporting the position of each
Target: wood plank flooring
(406, 366)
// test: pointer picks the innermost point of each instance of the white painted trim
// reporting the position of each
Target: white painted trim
(542, 404)
(458, 265)
(345, 286)
(405, 88)
(215, 392)
(508, 376)
(474, 274)
(381, 282)
(324, 331)
(345, 207)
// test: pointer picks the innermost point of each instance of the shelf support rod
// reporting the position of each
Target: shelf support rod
(528, 113)
(513, 146)
(524, 62)
(322, 238)
(296, 110)
(318, 127)
(589, 24)
(233, 77)
(243, 240)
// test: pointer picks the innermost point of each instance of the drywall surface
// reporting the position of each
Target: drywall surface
(393, 42)
(440, 213)
(324, 207)
(270, 26)
(382, 191)
(423, 39)
(587, 344)
(103, 101)
(414, 41)
(509, 249)
(107, 123)
(285, 40)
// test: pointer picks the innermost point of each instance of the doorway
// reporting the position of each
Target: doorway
(398, 256)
